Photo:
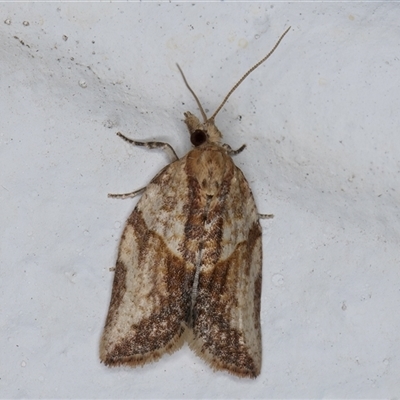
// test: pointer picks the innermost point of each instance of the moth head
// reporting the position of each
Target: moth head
(201, 132)
(206, 131)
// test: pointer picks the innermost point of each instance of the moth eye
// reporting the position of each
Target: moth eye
(198, 137)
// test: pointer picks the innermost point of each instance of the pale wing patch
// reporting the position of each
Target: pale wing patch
(240, 213)
(163, 205)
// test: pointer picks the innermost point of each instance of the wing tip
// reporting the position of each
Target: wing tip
(112, 356)
(243, 366)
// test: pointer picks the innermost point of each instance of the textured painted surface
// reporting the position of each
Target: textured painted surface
(320, 120)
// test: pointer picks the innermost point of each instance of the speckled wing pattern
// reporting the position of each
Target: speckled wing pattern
(189, 268)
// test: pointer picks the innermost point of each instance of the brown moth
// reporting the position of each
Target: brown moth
(190, 260)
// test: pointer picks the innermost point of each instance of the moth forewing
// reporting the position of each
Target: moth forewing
(189, 262)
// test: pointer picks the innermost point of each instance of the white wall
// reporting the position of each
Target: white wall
(320, 119)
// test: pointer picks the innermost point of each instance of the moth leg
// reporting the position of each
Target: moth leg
(265, 216)
(126, 195)
(152, 145)
(232, 152)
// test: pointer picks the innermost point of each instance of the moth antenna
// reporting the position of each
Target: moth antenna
(245, 75)
(193, 93)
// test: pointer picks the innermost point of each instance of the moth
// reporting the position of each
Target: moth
(189, 262)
